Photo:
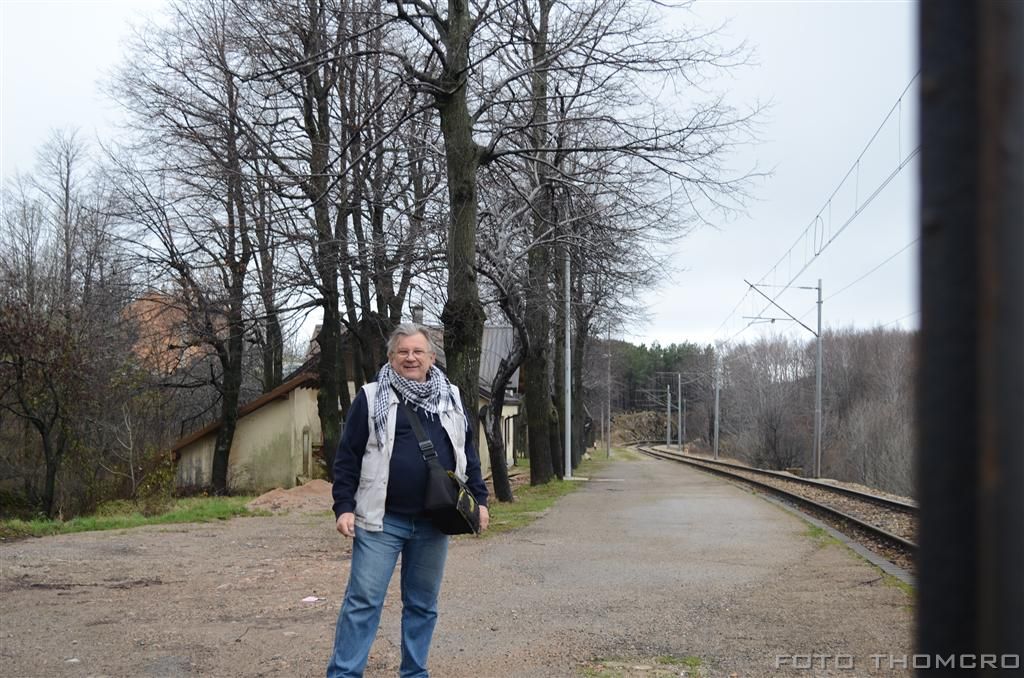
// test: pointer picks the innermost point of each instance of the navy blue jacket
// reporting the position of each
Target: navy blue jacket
(407, 476)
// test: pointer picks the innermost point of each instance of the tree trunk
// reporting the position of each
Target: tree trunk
(52, 454)
(578, 352)
(537, 394)
(537, 399)
(492, 423)
(558, 363)
(318, 90)
(231, 363)
(273, 352)
(327, 399)
(554, 442)
(463, 314)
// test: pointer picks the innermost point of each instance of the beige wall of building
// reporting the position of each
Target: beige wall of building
(272, 447)
(507, 412)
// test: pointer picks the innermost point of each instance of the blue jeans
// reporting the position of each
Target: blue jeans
(374, 554)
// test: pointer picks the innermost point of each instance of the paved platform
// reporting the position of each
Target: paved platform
(655, 565)
(650, 569)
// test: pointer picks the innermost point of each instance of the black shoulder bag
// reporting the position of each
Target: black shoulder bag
(451, 506)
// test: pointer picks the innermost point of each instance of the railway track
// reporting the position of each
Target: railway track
(883, 525)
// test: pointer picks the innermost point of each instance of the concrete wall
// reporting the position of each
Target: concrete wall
(195, 465)
(507, 411)
(272, 446)
(262, 451)
(305, 429)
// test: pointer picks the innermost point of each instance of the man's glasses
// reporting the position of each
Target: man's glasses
(417, 353)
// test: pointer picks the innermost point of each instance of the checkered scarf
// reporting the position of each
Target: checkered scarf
(433, 395)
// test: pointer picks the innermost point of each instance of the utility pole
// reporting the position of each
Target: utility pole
(568, 372)
(818, 367)
(718, 388)
(608, 440)
(817, 397)
(668, 415)
(679, 409)
(682, 423)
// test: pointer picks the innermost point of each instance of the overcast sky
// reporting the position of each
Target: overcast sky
(831, 71)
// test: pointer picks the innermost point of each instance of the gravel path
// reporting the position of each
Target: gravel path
(650, 569)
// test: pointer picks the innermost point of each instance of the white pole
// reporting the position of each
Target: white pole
(684, 418)
(817, 397)
(679, 409)
(568, 372)
(718, 388)
(668, 416)
(608, 440)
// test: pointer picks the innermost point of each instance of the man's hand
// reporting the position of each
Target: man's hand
(347, 524)
(485, 518)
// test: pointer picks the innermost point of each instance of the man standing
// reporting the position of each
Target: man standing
(379, 486)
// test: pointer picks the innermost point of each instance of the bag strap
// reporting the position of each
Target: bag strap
(426, 445)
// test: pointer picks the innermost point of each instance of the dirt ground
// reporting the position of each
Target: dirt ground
(647, 564)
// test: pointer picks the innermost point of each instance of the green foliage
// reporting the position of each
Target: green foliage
(820, 536)
(901, 585)
(122, 514)
(637, 369)
(16, 505)
(156, 492)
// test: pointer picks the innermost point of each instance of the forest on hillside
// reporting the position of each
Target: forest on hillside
(766, 401)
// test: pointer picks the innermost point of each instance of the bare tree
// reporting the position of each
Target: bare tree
(63, 342)
(768, 403)
(590, 130)
(190, 190)
(442, 69)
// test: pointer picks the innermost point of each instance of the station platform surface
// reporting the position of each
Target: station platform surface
(654, 568)
(651, 568)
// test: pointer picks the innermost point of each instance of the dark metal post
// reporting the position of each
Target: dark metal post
(970, 391)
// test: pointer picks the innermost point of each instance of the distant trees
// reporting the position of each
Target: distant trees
(768, 405)
(190, 186)
(65, 346)
(309, 176)
(767, 400)
(869, 408)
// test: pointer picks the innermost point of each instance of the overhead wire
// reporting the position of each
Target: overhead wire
(911, 314)
(865, 275)
(820, 243)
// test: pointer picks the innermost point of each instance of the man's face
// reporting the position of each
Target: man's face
(412, 357)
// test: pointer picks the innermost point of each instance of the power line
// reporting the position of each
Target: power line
(819, 219)
(873, 270)
(818, 230)
(893, 322)
(849, 221)
(890, 258)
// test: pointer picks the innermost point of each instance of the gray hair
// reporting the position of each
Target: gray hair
(409, 330)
